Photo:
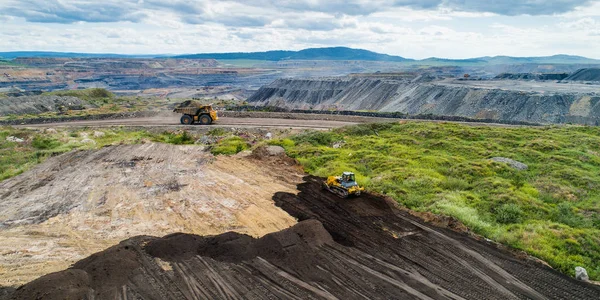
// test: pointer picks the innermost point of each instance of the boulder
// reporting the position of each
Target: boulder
(88, 141)
(275, 150)
(581, 274)
(513, 163)
(50, 131)
(339, 144)
(14, 139)
(99, 134)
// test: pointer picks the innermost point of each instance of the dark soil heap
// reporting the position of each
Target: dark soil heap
(358, 248)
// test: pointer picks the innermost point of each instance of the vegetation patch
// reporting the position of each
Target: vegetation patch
(229, 146)
(551, 210)
(33, 146)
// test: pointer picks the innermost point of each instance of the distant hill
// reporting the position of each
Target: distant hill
(555, 59)
(334, 53)
(15, 54)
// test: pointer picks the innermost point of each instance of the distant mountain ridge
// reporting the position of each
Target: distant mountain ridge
(331, 53)
(51, 54)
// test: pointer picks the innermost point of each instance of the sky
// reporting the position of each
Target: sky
(408, 28)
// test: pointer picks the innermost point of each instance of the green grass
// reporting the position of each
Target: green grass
(229, 145)
(551, 210)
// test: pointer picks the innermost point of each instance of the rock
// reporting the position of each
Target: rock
(268, 136)
(50, 131)
(339, 144)
(581, 274)
(14, 139)
(99, 134)
(275, 150)
(513, 163)
(88, 141)
(205, 140)
(83, 134)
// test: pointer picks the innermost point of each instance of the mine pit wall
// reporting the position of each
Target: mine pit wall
(410, 97)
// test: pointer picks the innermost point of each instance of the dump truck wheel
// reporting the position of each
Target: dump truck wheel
(186, 120)
(205, 120)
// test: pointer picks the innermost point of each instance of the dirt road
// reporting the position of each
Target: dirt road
(250, 120)
(170, 121)
(360, 248)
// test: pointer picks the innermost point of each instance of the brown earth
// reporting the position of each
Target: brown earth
(83, 202)
(358, 248)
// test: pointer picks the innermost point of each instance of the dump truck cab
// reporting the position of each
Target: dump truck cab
(195, 112)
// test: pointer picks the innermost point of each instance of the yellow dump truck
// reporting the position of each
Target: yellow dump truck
(195, 112)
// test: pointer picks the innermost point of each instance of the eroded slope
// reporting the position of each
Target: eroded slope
(506, 100)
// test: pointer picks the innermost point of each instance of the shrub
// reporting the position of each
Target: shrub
(229, 146)
(508, 214)
(183, 138)
(314, 138)
(563, 213)
(44, 143)
(100, 93)
(217, 132)
(285, 143)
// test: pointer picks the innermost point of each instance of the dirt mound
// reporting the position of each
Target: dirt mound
(342, 249)
(589, 74)
(234, 247)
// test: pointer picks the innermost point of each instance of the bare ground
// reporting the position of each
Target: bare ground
(360, 248)
(85, 201)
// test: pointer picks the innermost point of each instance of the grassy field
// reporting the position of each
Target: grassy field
(551, 210)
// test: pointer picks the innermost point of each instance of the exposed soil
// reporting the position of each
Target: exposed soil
(83, 202)
(358, 248)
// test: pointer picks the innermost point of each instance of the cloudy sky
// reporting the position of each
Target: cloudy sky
(409, 28)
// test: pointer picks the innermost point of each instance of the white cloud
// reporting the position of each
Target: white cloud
(410, 29)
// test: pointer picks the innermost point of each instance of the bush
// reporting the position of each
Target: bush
(44, 143)
(285, 143)
(229, 146)
(563, 213)
(509, 214)
(183, 138)
(217, 132)
(100, 93)
(314, 138)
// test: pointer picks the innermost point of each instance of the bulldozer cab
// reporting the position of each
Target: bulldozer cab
(348, 177)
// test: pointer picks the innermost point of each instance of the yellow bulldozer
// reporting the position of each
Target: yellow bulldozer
(344, 185)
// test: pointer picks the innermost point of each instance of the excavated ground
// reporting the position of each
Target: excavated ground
(82, 202)
(359, 248)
